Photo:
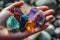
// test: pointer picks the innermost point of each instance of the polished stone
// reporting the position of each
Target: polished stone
(12, 24)
(44, 36)
(23, 20)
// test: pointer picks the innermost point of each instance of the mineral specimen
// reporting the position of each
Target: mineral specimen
(42, 18)
(36, 17)
(17, 13)
(32, 13)
(12, 24)
(30, 26)
(23, 20)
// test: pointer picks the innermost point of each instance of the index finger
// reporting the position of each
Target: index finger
(17, 5)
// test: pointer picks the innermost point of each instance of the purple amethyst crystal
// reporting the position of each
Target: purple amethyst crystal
(42, 18)
(34, 12)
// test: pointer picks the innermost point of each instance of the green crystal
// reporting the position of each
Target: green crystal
(12, 24)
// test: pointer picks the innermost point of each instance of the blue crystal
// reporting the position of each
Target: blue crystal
(23, 20)
(12, 24)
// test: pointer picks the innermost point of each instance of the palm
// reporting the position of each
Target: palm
(7, 12)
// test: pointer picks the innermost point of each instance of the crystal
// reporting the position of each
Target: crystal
(12, 24)
(42, 18)
(17, 13)
(30, 26)
(32, 12)
(23, 20)
(37, 15)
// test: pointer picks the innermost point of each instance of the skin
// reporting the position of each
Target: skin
(8, 11)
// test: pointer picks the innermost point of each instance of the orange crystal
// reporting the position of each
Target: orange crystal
(30, 26)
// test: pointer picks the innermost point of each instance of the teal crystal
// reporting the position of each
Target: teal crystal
(12, 24)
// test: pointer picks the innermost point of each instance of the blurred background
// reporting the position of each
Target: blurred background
(53, 31)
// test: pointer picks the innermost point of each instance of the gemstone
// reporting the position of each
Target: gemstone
(37, 15)
(30, 26)
(17, 13)
(23, 20)
(32, 12)
(42, 18)
(12, 24)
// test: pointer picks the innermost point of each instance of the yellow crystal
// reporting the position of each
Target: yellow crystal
(30, 26)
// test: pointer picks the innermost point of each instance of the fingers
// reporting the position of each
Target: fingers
(17, 5)
(4, 16)
(43, 8)
(43, 27)
(49, 12)
(49, 18)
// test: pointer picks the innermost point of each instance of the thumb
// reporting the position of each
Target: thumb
(15, 5)
(4, 15)
(7, 12)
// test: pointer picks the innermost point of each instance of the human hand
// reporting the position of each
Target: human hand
(8, 11)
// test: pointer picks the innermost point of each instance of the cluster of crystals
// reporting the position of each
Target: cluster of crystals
(24, 22)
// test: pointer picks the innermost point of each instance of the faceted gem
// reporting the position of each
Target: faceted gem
(30, 26)
(32, 12)
(23, 20)
(12, 24)
(17, 13)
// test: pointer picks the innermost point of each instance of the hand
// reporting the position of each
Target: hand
(8, 11)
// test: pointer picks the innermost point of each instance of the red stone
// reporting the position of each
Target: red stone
(17, 13)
